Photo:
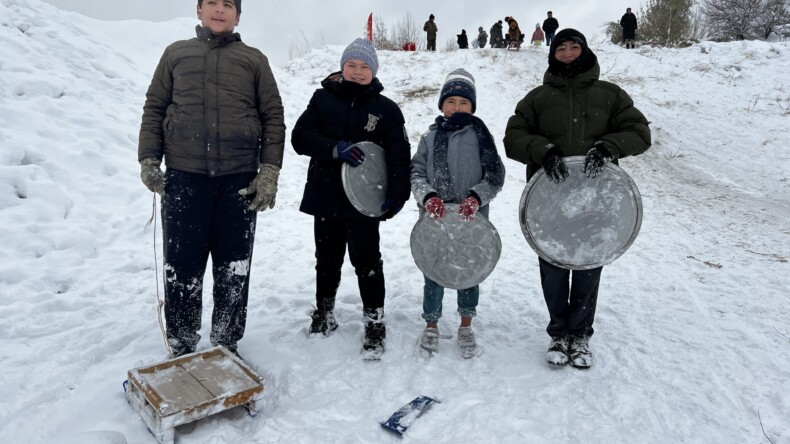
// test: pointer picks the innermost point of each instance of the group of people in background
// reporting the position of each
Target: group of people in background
(513, 37)
(214, 116)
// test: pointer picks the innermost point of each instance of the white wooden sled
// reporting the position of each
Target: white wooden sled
(191, 387)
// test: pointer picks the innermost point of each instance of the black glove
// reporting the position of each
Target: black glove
(391, 207)
(349, 153)
(554, 166)
(596, 159)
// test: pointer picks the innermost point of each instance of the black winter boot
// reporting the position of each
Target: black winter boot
(322, 322)
(375, 333)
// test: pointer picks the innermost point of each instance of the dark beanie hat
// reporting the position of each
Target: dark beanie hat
(431, 16)
(568, 34)
(585, 61)
(459, 83)
(361, 49)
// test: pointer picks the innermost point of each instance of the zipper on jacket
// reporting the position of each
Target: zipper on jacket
(570, 115)
(217, 152)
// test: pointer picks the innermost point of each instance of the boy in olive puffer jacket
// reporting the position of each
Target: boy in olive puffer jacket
(213, 113)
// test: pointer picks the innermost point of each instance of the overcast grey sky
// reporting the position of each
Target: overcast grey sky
(276, 26)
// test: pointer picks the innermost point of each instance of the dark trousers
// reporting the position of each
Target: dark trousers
(549, 37)
(362, 237)
(204, 216)
(431, 45)
(572, 310)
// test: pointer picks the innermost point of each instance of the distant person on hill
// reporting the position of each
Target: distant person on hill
(482, 38)
(628, 22)
(430, 32)
(514, 35)
(349, 108)
(537, 35)
(463, 40)
(550, 26)
(497, 40)
(573, 114)
(456, 162)
(213, 113)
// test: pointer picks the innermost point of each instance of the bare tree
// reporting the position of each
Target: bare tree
(742, 19)
(773, 16)
(299, 47)
(380, 39)
(407, 30)
(730, 19)
(698, 28)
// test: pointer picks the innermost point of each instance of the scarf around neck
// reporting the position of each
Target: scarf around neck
(493, 170)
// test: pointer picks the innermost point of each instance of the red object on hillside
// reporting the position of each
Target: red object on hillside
(409, 46)
(370, 27)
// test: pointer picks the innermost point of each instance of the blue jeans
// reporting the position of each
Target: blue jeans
(432, 301)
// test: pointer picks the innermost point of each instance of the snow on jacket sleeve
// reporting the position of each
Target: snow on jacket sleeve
(491, 185)
(420, 186)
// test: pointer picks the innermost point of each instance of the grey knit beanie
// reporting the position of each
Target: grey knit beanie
(459, 83)
(361, 49)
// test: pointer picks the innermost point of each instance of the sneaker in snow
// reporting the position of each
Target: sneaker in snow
(558, 351)
(323, 322)
(429, 341)
(581, 356)
(467, 342)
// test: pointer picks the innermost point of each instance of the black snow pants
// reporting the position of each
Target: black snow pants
(362, 237)
(204, 216)
(571, 310)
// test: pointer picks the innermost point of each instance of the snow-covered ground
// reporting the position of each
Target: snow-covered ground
(692, 338)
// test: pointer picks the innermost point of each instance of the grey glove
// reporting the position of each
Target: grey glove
(152, 176)
(265, 186)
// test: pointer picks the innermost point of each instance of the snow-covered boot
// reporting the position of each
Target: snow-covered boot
(179, 348)
(558, 351)
(323, 322)
(375, 333)
(467, 342)
(581, 356)
(429, 341)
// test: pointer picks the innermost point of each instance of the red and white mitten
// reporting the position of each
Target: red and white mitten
(435, 208)
(468, 208)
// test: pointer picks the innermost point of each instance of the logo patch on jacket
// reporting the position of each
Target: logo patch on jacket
(372, 121)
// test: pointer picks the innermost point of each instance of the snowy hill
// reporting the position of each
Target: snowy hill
(693, 327)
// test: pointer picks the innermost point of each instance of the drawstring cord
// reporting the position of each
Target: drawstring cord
(160, 301)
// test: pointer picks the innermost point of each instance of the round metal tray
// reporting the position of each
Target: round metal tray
(582, 222)
(366, 184)
(453, 253)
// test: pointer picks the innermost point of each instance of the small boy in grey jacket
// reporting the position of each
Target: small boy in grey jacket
(456, 162)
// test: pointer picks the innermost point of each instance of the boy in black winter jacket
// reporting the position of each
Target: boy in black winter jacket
(349, 108)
